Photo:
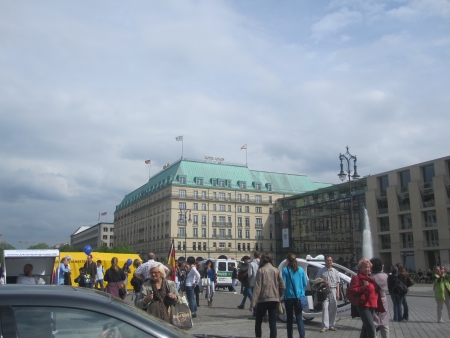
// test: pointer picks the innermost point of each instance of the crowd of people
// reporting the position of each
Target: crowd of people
(264, 285)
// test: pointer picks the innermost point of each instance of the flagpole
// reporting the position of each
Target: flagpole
(149, 170)
(246, 161)
(182, 144)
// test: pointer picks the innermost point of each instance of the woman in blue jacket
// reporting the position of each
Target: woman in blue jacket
(295, 280)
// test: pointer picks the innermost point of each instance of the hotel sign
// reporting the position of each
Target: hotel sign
(211, 158)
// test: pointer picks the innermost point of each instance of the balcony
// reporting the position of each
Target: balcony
(222, 224)
(405, 226)
(259, 237)
(181, 235)
(384, 227)
(181, 222)
(407, 245)
(258, 225)
(429, 224)
(384, 246)
(431, 244)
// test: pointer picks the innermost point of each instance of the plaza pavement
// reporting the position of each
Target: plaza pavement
(225, 319)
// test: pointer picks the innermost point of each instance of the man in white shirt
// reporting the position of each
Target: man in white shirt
(28, 277)
(142, 272)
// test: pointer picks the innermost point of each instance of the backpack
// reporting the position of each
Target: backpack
(400, 287)
(242, 275)
(136, 283)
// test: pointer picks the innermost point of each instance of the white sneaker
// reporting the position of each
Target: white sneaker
(235, 293)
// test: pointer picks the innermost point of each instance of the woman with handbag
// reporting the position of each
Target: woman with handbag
(408, 282)
(441, 289)
(381, 320)
(114, 276)
(294, 278)
(396, 292)
(158, 294)
(363, 292)
(209, 280)
(192, 279)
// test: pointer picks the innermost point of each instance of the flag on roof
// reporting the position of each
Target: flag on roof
(244, 146)
(104, 213)
(98, 216)
(147, 161)
(179, 138)
(172, 262)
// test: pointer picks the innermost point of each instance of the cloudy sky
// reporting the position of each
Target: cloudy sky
(91, 89)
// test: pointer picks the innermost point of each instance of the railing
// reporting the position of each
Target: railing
(405, 226)
(429, 203)
(429, 244)
(404, 207)
(259, 237)
(258, 225)
(384, 246)
(383, 210)
(226, 199)
(405, 245)
(384, 227)
(222, 224)
(181, 222)
(429, 224)
(222, 236)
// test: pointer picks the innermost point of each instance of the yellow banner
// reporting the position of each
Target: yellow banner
(79, 258)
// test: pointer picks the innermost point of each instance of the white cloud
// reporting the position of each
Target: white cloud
(334, 22)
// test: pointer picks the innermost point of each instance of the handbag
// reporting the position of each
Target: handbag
(180, 316)
(302, 301)
(280, 308)
(206, 281)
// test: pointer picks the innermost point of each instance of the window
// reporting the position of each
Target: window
(195, 219)
(259, 234)
(214, 219)
(258, 210)
(269, 188)
(384, 183)
(199, 181)
(214, 195)
(203, 219)
(182, 180)
(428, 174)
(222, 207)
(221, 183)
(239, 219)
(239, 208)
(105, 229)
(222, 196)
(270, 210)
(229, 208)
(384, 223)
(179, 246)
(203, 194)
(105, 236)
(194, 247)
(248, 246)
(239, 197)
(239, 246)
(195, 194)
(270, 222)
(199, 246)
(222, 245)
(405, 178)
(271, 234)
(229, 220)
(430, 218)
(182, 205)
(182, 194)
(258, 186)
(221, 220)
(214, 207)
(270, 199)
(195, 233)
(195, 206)
(204, 246)
(214, 244)
(229, 196)
(203, 233)
(247, 233)
(181, 232)
(242, 185)
(111, 237)
(247, 198)
(239, 233)
(247, 221)
(111, 229)
(385, 241)
(214, 232)
(258, 199)
(203, 206)
(228, 183)
(405, 222)
(214, 183)
(259, 222)
(247, 209)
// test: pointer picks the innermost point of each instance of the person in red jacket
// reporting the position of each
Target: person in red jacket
(365, 287)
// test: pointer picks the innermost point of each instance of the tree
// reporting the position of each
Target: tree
(65, 248)
(39, 246)
(5, 246)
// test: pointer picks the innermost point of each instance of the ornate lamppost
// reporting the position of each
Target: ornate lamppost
(343, 175)
(183, 221)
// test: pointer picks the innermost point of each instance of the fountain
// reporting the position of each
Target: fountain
(367, 247)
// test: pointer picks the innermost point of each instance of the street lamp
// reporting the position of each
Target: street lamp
(342, 176)
(184, 220)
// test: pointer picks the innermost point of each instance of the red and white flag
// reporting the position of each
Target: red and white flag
(244, 147)
(104, 213)
(147, 161)
(172, 262)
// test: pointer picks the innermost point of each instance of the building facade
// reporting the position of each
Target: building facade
(410, 213)
(95, 236)
(208, 209)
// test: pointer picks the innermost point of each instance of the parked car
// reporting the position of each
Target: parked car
(48, 311)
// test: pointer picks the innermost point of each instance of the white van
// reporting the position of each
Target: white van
(223, 269)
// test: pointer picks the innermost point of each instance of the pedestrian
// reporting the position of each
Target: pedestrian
(245, 281)
(158, 294)
(429, 277)
(192, 279)
(62, 271)
(409, 282)
(100, 274)
(233, 277)
(419, 276)
(396, 293)
(329, 306)
(135, 282)
(2, 275)
(268, 289)
(210, 273)
(441, 289)
(91, 272)
(181, 274)
(28, 278)
(253, 268)
(126, 270)
(83, 280)
(198, 287)
(142, 272)
(114, 276)
(294, 278)
(365, 288)
(381, 320)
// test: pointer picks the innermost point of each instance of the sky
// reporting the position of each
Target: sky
(89, 90)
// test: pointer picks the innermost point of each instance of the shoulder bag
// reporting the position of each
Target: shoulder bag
(206, 281)
(180, 316)
(302, 301)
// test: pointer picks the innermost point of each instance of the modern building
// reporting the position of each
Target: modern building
(408, 210)
(95, 236)
(208, 208)
(410, 213)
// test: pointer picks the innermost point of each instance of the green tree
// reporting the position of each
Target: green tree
(65, 248)
(5, 246)
(103, 248)
(39, 246)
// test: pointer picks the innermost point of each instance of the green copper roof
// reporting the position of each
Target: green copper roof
(192, 170)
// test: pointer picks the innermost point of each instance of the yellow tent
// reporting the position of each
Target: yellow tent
(79, 258)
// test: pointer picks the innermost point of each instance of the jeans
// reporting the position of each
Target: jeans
(291, 305)
(397, 302)
(368, 328)
(101, 285)
(405, 309)
(272, 308)
(209, 294)
(197, 295)
(190, 299)
(248, 292)
(233, 284)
